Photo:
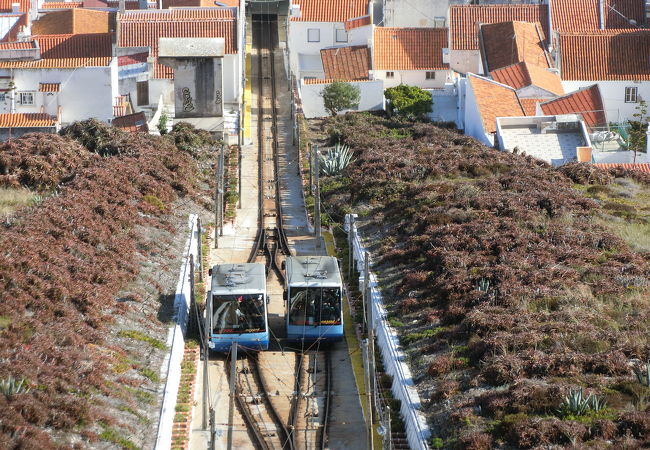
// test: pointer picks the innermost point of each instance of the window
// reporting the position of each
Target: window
(313, 35)
(430, 75)
(341, 35)
(390, 74)
(3, 96)
(631, 94)
(142, 88)
(26, 98)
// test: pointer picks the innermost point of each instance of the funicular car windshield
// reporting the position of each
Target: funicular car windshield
(315, 306)
(238, 313)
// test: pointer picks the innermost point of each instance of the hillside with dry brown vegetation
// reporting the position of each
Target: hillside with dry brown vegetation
(514, 286)
(81, 340)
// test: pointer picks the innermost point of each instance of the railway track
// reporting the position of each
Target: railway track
(305, 425)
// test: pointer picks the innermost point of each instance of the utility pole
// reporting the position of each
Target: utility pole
(364, 348)
(216, 207)
(350, 245)
(364, 292)
(222, 188)
(239, 162)
(389, 439)
(317, 196)
(311, 169)
(231, 405)
(371, 348)
(213, 431)
(206, 388)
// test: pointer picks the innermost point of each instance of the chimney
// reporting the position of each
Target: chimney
(601, 12)
(122, 5)
(15, 8)
(143, 4)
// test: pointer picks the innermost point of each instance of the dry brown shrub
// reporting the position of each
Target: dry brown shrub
(476, 441)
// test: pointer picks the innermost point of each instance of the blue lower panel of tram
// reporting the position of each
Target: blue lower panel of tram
(311, 333)
(222, 343)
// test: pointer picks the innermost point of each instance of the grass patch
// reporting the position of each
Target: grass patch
(138, 336)
(154, 201)
(12, 199)
(5, 321)
(150, 374)
(112, 435)
(414, 337)
(395, 322)
(143, 396)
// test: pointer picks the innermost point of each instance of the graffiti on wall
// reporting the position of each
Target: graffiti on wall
(188, 103)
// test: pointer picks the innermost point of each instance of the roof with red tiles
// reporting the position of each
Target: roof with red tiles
(65, 51)
(137, 58)
(507, 43)
(574, 16)
(330, 10)
(72, 21)
(132, 123)
(464, 21)
(144, 28)
(27, 120)
(328, 81)
(409, 48)
(7, 5)
(61, 5)
(645, 167)
(22, 45)
(530, 105)
(357, 23)
(605, 56)
(49, 87)
(346, 63)
(494, 100)
(587, 102)
(522, 74)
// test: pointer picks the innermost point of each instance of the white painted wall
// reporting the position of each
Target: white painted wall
(464, 61)
(415, 13)
(84, 92)
(412, 78)
(473, 123)
(298, 39)
(371, 92)
(613, 93)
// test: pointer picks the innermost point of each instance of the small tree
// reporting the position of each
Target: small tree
(162, 123)
(338, 96)
(637, 130)
(408, 101)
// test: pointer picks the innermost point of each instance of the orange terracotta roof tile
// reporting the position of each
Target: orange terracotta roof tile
(409, 48)
(23, 45)
(144, 28)
(66, 51)
(346, 63)
(523, 74)
(330, 10)
(27, 120)
(133, 123)
(61, 5)
(507, 43)
(464, 21)
(49, 87)
(645, 167)
(328, 81)
(357, 23)
(530, 105)
(586, 101)
(7, 5)
(494, 100)
(572, 16)
(605, 56)
(72, 21)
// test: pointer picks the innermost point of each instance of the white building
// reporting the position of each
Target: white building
(415, 13)
(314, 25)
(72, 77)
(413, 56)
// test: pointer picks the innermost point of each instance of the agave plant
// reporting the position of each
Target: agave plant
(11, 386)
(643, 374)
(577, 404)
(336, 160)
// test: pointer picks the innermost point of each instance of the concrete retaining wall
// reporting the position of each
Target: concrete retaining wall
(394, 359)
(171, 368)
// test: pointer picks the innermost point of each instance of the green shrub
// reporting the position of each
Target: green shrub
(410, 102)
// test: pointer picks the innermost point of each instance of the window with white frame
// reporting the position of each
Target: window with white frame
(26, 98)
(390, 74)
(430, 75)
(313, 35)
(631, 94)
(3, 96)
(341, 35)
